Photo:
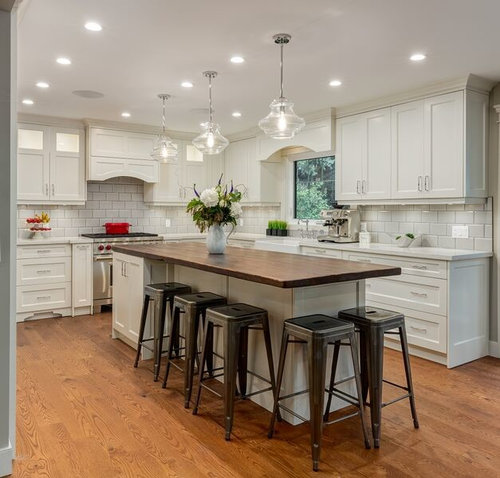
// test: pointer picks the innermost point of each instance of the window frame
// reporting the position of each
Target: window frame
(288, 207)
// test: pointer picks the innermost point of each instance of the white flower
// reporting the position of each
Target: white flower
(236, 210)
(209, 197)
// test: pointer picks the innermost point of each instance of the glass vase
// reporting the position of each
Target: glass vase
(216, 240)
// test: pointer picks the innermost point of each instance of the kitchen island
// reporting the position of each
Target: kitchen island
(286, 285)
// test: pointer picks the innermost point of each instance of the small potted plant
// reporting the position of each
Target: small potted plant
(269, 230)
(281, 227)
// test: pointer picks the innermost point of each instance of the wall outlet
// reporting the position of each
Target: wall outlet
(460, 232)
(168, 223)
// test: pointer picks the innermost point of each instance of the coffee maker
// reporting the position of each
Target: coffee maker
(343, 225)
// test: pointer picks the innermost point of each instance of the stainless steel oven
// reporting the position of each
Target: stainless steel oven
(103, 262)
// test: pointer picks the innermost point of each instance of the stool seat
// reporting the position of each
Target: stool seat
(236, 312)
(168, 287)
(320, 323)
(204, 299)
(372, 316)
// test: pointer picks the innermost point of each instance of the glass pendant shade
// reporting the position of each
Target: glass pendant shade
(164, 149)
(281, 122)
(210, 141)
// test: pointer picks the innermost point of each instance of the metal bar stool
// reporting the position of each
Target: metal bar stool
(160, 294)
(235, 320)
(191, 306)
(373, 323)
(317, 332)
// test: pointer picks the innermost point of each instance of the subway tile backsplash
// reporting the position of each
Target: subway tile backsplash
(122, 200)
(433, 223)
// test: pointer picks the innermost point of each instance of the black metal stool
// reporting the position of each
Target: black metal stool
(236, 320)
(318, 331)
(373, 323)
(161, 294)
(192, 306)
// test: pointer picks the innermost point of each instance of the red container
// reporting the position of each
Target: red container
(117, 227)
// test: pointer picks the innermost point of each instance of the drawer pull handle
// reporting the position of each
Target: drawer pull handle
(418, 294)
(43, 251)
(43, 297)
(320, 251)
(368, 261)
(43, 271)
(419, 329)
(422, 268)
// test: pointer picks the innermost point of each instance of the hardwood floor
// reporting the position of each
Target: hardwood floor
(84, 411)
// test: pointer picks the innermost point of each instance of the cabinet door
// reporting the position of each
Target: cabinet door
(33, 163)
(67, 165)
(108, 143)
(120, 297)
(377, 155)
(82, 275)
(140, 145)
(236, 165)
(349, 158)
(444, 146)
(195, 171)
(134, 277)
(407, 150)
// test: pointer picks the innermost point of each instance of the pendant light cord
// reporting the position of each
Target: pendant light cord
(163, 116)
(210, 110)
(281, 69)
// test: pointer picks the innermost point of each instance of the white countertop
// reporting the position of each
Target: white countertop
(386, 249)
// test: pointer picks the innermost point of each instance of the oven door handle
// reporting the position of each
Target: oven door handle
(102, 258)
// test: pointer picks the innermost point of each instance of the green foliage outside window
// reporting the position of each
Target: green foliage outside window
(314, 182)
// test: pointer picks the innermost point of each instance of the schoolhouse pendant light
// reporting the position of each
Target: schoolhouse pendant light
(281, 122)
(210, 141)
(164, 150)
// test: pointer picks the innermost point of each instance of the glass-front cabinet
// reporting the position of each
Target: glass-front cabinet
(50, 165)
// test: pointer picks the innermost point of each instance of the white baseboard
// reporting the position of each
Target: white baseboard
(6, 457)
(495, 349)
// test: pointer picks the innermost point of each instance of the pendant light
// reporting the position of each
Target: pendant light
(210, 141)
(164, 150)
(281, 122)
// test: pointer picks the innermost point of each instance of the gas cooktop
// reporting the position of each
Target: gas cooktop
(103, 235)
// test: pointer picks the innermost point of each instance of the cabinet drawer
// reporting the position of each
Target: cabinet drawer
(410, 266)
(38, 251)
(33, 298)
(428, 295)
(41, 271)
(423, 330)
(321, 251)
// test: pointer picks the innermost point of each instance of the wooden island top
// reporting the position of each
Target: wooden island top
(266, 267)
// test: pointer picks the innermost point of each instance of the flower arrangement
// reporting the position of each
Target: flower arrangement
(215, 206)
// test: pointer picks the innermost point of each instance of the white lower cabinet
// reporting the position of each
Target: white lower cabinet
(53, 280)
(128, 287)
(445, 303)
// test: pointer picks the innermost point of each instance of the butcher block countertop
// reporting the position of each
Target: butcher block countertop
(273, 268)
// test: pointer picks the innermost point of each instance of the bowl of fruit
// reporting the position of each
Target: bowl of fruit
(40, 224)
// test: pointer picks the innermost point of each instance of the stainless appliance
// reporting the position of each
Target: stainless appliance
(103, 261)
(343, 225)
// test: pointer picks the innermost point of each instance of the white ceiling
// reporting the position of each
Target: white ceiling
(148, 47)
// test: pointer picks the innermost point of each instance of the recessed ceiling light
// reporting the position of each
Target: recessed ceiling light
(237, 59)
(63, 61)
(27, 101)
(93, 26)
(418, 57)
(126, 114)
(42, 84)
(236, 114)
(187, 84)
(335, 83)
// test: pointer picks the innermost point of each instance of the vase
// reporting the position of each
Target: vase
(216, 240)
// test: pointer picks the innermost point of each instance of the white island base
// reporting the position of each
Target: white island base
(280, 303)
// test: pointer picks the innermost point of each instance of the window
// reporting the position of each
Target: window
(314, 186)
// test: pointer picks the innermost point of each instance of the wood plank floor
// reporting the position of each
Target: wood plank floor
(84, 411)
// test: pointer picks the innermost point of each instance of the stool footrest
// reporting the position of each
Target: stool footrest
(248, 395)
(343, 381)
(402, 397)
(258, 376)
(290, 395)
(341, 419)
(211, 390)
(345, 397)
(402, 387)
(291, 412)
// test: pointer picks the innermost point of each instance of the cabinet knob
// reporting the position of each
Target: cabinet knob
(419, 183)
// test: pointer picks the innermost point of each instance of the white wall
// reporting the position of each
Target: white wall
(7, 239)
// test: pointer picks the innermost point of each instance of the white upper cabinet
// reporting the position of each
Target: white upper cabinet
(262, 180)
(114, 153)
(363, 156)
(51, 165)
(429, 149)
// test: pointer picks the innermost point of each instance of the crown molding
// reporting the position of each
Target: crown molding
(470, 83)
(50, 120)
